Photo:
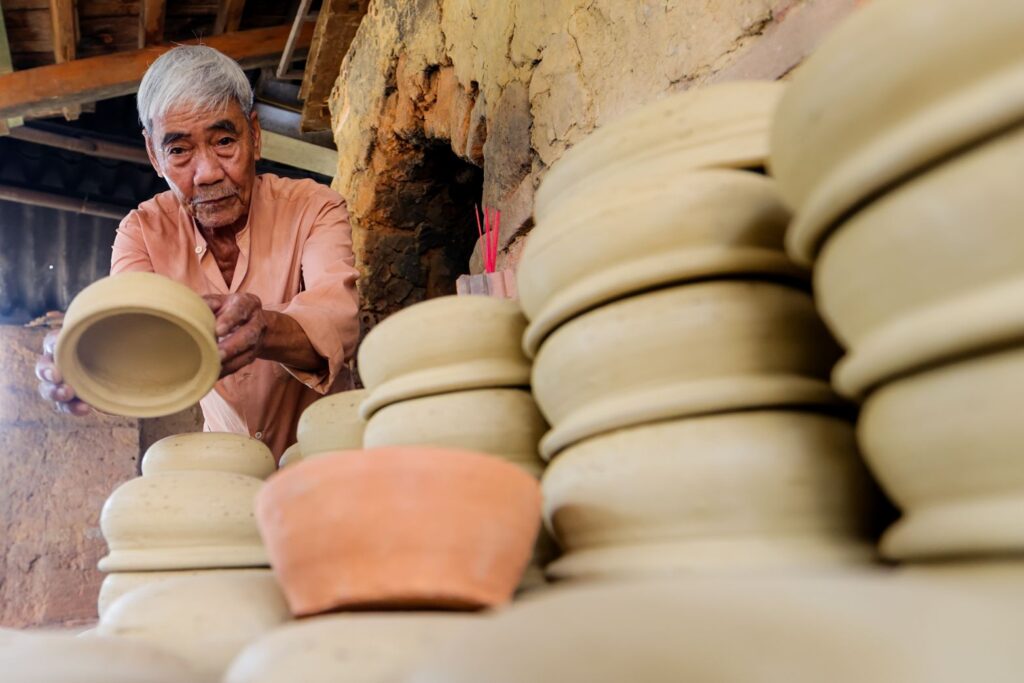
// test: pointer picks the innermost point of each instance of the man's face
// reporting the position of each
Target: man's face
(208, 160)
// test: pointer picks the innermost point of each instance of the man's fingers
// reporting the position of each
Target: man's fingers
(244, 339)
(59, 393)
(50, 342)
(76, 407)
(235, 312)
(47, 371)
(214, 301)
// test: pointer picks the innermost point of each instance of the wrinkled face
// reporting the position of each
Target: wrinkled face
(208, 160)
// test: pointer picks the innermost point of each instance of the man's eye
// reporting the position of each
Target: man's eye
(225, 141)
(174, 151)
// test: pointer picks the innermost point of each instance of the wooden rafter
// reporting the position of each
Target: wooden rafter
(152, 14)
(62, 17)
(26, 92)
(6, 67)
(229, 16)
(300, 154)
(336, 26)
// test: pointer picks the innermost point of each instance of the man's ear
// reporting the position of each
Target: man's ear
(257, 134)
(151, 153)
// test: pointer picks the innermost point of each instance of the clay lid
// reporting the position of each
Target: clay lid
(332, 423)
(217, 451)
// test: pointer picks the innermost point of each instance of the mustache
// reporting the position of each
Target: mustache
(215, 195)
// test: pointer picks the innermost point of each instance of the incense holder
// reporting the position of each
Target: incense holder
(120, 583)
(927, 269)
(501, 422)
(848, 127)
(720, 126)
(463, 524)
(370, 648)
(501, 284)
(451, 343)
(332, 423)
(764, 489)
(139, 345)
(206, 620)
(695, 349)
(682, 226)
(945, 445)
(182, 520)
(209, 451)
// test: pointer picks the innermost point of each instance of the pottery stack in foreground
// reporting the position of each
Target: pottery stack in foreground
(331, 423)
(912, 222)
(678, 355)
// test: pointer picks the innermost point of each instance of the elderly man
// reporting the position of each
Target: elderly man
(271, 256)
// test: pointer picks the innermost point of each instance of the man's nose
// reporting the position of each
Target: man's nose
(208, 169)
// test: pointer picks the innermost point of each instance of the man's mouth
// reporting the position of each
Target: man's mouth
(215, 201)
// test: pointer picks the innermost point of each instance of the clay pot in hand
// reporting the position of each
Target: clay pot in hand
(414, 528)
(945, 445)
(682, 226)
(117, 584)
(501, 422)
(695, 349)
(849, 126)
(356, 648)
(206, 619)
(206, 451)
(332, 423)
(138, 344)
(729, 492)
(944, 246)
(451, 343)
(182, 520)
(720, 126)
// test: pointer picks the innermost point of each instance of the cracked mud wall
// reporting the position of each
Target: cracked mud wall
(507, 86)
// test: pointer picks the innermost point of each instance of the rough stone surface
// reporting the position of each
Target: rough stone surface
(55, 473)
(508, 86)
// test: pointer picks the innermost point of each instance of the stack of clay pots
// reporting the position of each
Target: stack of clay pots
(902, 159)
(329, 424)
(678, 355)
(188, 571)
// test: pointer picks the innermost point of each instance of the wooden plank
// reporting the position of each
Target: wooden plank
(15, 5)
(96, 78)
(6, 66)
(62, 19)
(229, 16)
(152, 15)
(300, 154)
(301, 21)
(107, 8)
(336, 26)
(103, 35)
(29, 30)
(83, 145)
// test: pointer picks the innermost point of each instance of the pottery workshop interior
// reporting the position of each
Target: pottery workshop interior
(511, 341)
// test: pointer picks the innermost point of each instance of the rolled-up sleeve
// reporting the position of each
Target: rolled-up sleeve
(129, 253)
(327, 308)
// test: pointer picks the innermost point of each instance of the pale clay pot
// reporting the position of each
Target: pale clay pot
(695, 349)
(117, 584)
(450, 343)
(71, 659)
(139, 345)
(355, 648)
(945, 445)
(182, 520)
(720, 126)
(767, 489)
(796, 628)
(206, 451)
(205, 619)
(683, 226)
(291, 455)
(944, 246)
(849, 126)
(332, 423)
(501, 422)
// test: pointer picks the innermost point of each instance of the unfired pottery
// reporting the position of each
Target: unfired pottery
(206, 619)
(724, 126)
(291, 455)
(355, 648)
(69, 659)
(698, 348)
(681, 227)
(332, 423)
(945, 246)
(138, 344)
(399, 528)
(501, 422)
(945, 444)
(182, 520)
(217, 451)
(730, 492)
(117, 584)
(870, 106)
(796, 628)
(446, 344)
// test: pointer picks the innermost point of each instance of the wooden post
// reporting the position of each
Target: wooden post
(152, 14)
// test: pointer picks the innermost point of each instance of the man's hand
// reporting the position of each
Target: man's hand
(51, 382)
(241, 329)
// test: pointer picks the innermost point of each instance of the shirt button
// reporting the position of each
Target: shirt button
(199, 249)
(259, 435)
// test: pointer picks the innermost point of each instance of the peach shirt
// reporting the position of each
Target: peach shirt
(296, 256)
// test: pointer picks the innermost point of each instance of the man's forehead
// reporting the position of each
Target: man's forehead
(185, 122)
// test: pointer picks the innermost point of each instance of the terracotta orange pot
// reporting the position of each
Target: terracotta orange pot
(399, 528)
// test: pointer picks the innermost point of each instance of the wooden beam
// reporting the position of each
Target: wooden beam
(300, 154)
(299, 24)
(96, 78)
(62, 17)
(84, 145)
(229, 16)
(50, 200)
(152, 14)
(6, 67)
(336, 26)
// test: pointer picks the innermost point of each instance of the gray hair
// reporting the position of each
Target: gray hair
(196, 77)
